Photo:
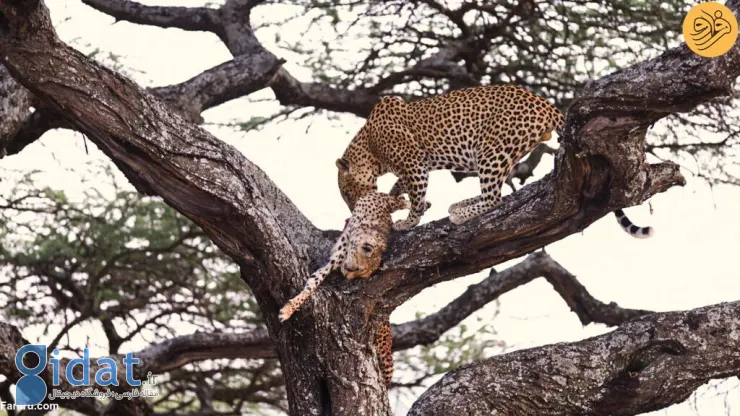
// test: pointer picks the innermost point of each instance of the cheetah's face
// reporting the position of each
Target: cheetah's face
(364, 251)
(354, 182)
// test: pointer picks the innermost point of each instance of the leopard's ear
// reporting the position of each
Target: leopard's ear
(342, 165)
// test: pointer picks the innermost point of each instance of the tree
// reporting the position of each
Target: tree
(599, 167)
(131, 267)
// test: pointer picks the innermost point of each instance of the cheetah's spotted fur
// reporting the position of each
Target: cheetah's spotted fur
(480, 130)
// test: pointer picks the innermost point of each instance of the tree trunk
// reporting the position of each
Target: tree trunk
(324, 349)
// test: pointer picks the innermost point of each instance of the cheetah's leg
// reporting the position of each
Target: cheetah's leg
(338, 254)
(492, 173)
(383, 349)
(416, 185)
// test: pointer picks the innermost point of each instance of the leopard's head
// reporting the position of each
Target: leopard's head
(368, 232)
(364, 251)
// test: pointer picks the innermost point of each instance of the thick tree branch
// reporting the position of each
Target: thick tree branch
(599, 167)
(186, 18)
(164, 356)
(238, 77)
(289, 91)
(233, 79)
(177, 352)
(231, 23)
(646, 364)
(208, 181)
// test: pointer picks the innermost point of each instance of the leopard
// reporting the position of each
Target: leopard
(479, 131)
(358, 253)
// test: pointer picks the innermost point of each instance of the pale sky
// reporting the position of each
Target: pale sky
(687, 264)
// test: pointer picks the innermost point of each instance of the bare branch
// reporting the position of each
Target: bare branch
(290, 91)
(186, 18)
(646, 364)
(239, 77)
(427, 330)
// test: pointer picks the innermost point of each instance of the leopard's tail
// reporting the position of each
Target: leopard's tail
(632, 229)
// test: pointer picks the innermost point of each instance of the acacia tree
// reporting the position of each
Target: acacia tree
(324, 351)
(112, 267)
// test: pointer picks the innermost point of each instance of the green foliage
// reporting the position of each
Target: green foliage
(133, 266)
(118, 257)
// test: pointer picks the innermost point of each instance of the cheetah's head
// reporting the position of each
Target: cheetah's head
(354, 182)
(365, 249)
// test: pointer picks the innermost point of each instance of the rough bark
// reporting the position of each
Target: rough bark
(644, 365)
(325, 349)
(15, 102)
(185, 18)
(241, 76)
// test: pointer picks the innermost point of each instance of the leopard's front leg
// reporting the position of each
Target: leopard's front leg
(398, 190)
(338, 254)
(415, 183)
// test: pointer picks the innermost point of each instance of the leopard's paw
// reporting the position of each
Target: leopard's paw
(286, 312)
(458, 217)
(406, 224)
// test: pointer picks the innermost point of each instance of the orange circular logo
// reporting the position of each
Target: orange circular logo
(710, 29)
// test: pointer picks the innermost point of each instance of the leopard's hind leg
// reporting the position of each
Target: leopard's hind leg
(384, 349)
(493, 168)
(464, 203)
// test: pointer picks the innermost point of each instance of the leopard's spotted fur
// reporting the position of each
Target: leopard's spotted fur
(359, 248)
(357, 253)
(480, 130)
(383, 349)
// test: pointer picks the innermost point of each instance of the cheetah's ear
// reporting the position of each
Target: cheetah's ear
(342, 165)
